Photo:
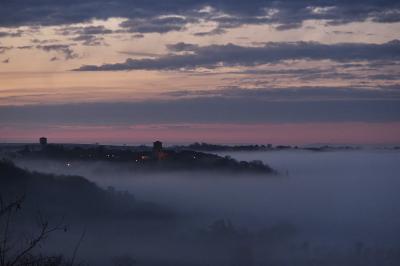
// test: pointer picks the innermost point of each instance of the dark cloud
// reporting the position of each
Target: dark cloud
(87, 35)
(334, 72)
(37, 41)
(85, 30)
(17, 33)
(289, 26)
(342, 32)
(25, 47)
(285, 71)
(297, 93)
(137, 36)
(64, 49)
(392, 76)
(139, 54)
(158, 25)
(182, 47)
(387, 16)
(150, 15)
(89, 40)
(215, 31)
(192, 110)
(233, 55)
(3, 49)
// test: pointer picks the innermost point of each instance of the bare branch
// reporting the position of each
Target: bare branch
(13, 205)
(77, 247)
(7, 210)
(44, 233)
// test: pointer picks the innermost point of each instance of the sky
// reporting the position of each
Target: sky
(221, 71)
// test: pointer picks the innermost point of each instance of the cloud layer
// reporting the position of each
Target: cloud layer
(225, 106)
(233, 55)
(144, 15)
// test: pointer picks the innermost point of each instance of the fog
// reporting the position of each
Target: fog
(333, 199)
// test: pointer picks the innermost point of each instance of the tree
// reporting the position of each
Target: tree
(24, 256)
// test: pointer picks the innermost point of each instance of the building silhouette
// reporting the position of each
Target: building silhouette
(43, 141)
(158, 152)
(157, 146)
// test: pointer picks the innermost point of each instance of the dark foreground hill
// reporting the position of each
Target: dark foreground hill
(73, 197)
(146, 159)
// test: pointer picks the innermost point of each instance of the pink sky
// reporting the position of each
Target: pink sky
(294, 134)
